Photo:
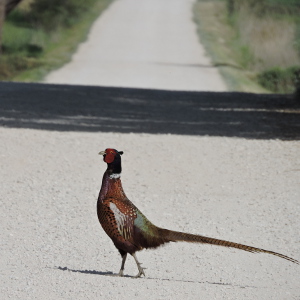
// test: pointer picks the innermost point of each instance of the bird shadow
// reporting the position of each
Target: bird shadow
(111, 274)
(93, 272)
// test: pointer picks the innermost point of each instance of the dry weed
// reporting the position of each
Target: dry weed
(270, 40)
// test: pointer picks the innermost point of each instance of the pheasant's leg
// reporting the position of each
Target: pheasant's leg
(141, 270)
(123, 264)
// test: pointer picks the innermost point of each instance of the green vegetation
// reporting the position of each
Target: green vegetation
(41, 35)
(218, 37)
(280, 80)
(270, 30)
(53, 14)
(260, 37)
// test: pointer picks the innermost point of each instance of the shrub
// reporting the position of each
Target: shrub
(11, 65)
(268, 40)
(263, 7)
(56, 13)
(280, 80)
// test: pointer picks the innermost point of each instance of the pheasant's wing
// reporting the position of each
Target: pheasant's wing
(117, 220)
(133, 226)
(124, 214)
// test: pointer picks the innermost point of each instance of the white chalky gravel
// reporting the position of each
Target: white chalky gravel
(52, 246)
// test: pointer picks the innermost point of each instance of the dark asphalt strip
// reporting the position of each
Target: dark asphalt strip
(107, 109)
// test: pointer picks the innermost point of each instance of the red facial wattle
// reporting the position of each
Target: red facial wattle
(109, 158)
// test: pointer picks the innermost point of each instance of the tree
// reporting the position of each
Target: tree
(2, 17)
(6, 6)
(10, 5)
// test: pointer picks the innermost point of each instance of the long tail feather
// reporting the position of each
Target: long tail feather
(176, 236)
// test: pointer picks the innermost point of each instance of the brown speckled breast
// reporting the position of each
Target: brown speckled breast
(107, 220)
(117, 216)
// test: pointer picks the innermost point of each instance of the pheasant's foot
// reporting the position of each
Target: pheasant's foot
(141, 272)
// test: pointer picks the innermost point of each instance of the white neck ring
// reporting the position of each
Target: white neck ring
(115, 175)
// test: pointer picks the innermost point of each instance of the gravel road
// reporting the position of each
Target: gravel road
(53, 247)
(145, 44)
(224, 165)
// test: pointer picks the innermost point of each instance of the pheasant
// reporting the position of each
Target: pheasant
(130, 230)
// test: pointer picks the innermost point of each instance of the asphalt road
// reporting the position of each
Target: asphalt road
(82, 108)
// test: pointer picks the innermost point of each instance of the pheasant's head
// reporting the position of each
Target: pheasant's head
(109, 155)
(113, 159)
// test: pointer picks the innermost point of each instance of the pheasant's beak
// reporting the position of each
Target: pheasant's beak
(102, 153)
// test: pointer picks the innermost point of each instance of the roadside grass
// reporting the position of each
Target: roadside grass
(218, 38)
(260, 37)
(30, 51)
(269, 28)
